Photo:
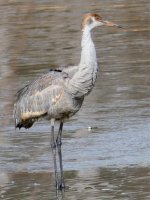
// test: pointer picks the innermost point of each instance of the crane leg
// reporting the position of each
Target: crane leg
(53, 147)
(59, 143)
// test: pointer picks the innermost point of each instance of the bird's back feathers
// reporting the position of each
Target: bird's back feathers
(46, 96)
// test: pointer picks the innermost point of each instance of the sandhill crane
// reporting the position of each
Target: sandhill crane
(59, 94)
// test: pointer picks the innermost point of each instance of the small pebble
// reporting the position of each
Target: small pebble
(36, 184)
(89, 128)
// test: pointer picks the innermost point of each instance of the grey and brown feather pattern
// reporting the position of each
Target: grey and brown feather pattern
(45, 97)
(59, 94)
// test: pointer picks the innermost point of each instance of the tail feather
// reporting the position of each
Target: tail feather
(26, 124)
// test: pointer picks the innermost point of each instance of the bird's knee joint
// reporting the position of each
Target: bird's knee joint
(53, 145)
(58, 142)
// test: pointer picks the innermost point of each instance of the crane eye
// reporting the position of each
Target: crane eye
(97, 18)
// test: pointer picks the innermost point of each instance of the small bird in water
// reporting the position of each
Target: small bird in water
(59, 94)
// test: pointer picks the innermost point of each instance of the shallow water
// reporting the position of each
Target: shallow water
(111, 159)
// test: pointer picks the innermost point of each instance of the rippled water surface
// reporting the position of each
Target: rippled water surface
(110, 160)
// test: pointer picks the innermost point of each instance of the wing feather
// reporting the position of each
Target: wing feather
(35, 99)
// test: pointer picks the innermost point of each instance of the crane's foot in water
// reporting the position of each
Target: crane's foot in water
(60, 186)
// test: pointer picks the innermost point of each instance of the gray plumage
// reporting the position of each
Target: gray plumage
(47, 97)
(59, 94)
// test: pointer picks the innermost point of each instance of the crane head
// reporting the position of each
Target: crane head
(92, 20)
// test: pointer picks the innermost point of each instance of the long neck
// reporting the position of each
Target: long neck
(88, 54)
(83, 80)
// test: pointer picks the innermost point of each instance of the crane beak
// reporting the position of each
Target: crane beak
(108, 23)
